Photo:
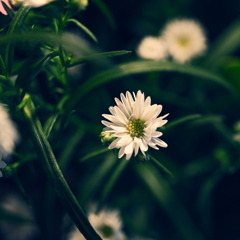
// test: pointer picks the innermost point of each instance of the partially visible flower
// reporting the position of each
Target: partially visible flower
(2, 9)
(134, 122)
(184, 39)
(152, 48)
(82, 4)
(106, 137)
(8, 135)
(32, 3)
(107, 224)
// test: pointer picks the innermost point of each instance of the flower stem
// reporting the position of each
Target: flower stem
(54, 174)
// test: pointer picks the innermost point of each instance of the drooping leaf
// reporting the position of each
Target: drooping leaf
(138, 67)
(84, 28)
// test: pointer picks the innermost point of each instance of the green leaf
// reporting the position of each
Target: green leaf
(94, 154)
(181, 120)
(106, 12)
(96, 56)
(226, 44)
(169, 202)
(112, 180)
(49, 124)
(138, 67)
(165, 169)
(14, 27)
(54, 174)
(30, 69)
(84, 28)
(9, 11)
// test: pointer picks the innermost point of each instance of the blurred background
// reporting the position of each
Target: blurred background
(201, 201)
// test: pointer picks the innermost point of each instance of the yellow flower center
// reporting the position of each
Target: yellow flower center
(183, 41)
(106, 231)
(136, 127)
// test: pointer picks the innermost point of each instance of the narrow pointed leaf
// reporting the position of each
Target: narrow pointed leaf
(96, 56)
(54, 174)
(139, 67)
(84, 28)
(14, 27)
(106, 12)
(94, 154)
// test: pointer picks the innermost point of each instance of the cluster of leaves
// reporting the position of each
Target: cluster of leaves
(62, 86)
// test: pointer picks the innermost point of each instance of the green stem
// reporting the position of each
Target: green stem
(54, 174)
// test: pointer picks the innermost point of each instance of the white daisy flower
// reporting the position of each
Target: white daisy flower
(107, 224)
(152, 48)
(32, 3)
(134, 122)
(8, 133)
(184, 39)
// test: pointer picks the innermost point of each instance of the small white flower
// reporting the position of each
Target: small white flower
(134, 122)
(107, 224)
(8, 133)
(152, 48)
(184, 39)
(32, 3)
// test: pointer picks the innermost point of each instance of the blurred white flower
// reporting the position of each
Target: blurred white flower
(2, 9)
(184, 39)
(107, 224)
(134, 122)
(8, 133)
(152, 48)
(24, 226)
(31, 3)
(82, 4)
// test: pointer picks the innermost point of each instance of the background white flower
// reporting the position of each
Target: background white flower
(152, 48)
(107, 224)
(134, 122)
(8, 133)
(32, 3)
(184, 39)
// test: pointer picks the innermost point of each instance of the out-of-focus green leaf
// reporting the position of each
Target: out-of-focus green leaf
(96, 56)
(49, 124)
(84, 28)
(94, 154)
(138, 67)
(181, 120)
(14, 27)
(165, 169)
(30, 69)
(106, 12)
(112, 180)
(169, 202)
(226, 44)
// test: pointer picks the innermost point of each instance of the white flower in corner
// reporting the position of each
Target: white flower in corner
(152, 48)
(134, 122)
(184, 39)
(32, 3)
(107, 224)
(8, 135)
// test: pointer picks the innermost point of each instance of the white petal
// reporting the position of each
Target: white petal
(160, 142)
(124, 141)
(113, 144)
(121, 152)
(129, 148)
